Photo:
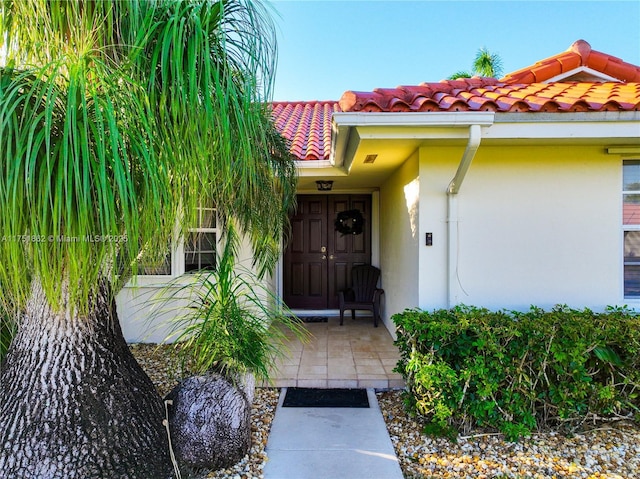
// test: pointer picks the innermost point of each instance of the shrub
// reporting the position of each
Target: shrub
(518, 372)
(231, 323)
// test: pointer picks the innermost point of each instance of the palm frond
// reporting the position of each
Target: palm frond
(8, 325)
(487, 64)
(460, 74)
(77, 172)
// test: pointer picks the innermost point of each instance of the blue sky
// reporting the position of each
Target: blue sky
(327, 47)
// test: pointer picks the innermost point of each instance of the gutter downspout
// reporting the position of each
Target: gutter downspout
(475, 136)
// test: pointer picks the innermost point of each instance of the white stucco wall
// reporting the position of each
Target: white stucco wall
(537, 226)
(142, 315)
(399, 239)
(437, 168)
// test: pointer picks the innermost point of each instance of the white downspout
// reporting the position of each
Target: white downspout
(475, 136)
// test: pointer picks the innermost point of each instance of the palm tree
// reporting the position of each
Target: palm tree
(485, 64)
(118, 119)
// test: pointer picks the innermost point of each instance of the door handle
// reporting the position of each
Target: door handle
(324, 256)
(331, 256)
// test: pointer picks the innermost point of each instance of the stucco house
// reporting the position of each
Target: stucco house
(501, 193)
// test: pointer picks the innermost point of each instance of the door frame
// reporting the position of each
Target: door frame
(375, 244)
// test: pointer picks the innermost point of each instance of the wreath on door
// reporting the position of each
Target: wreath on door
(349, 222)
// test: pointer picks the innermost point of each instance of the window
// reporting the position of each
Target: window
(631, 226)
(163, 269)
(200, 244)
(148, 268)
(196, 253)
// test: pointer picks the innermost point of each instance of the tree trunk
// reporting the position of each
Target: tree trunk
(74, 403)
(210, 421)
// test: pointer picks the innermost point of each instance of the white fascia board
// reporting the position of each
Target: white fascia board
(585, 130)
(318, 167)
(420, 119)
(565, 126)
(313, 164)
(339, 143)
(537, 117)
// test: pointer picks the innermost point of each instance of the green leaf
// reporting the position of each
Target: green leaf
(608, 355)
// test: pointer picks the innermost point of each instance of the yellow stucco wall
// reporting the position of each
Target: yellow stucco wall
(399, 238)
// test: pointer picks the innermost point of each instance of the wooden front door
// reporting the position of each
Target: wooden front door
(318, 259)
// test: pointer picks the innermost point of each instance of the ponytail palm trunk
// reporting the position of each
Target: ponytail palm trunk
(75, 403)
(115, 116)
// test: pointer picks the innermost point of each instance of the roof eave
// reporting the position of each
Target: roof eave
(405, 125)
(435, 125)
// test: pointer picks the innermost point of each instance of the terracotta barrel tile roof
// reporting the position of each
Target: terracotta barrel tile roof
(507, 98)
(579, 54)
(555, 84)
(424, 104)
(527, 85)
(306, 126)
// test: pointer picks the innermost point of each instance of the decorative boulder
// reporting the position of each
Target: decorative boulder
(210, 421)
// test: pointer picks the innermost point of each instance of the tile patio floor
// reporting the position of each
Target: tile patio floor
(355, 355)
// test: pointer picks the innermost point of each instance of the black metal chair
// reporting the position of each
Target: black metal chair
(363, 294)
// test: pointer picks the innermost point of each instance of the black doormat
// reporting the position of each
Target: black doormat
(308, 397)
(314, 319)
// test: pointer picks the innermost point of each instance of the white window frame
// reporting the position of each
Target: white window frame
(627, 228)
(178, 253)
(200, 229)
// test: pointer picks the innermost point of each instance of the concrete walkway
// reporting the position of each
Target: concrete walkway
(330, 443)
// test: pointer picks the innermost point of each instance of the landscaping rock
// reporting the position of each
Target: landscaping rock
(210, 422)
(606, 451)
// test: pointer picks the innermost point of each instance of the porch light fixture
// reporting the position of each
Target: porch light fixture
(324, 185)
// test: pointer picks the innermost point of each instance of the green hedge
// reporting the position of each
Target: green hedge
(469, 368)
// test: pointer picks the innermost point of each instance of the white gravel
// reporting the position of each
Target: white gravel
(609, 451)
